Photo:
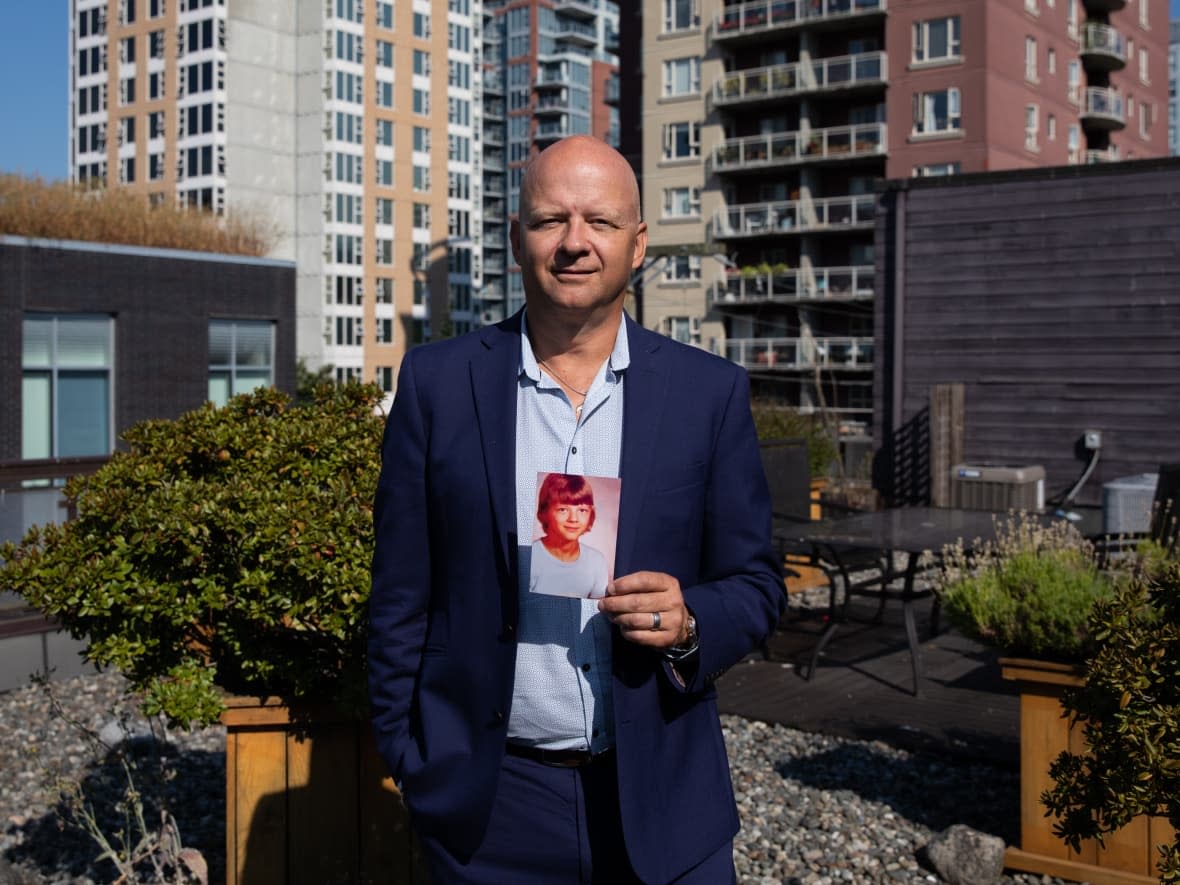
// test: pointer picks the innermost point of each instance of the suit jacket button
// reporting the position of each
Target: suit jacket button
(498, 716)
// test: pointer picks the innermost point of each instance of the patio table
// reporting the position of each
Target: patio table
(839, 546)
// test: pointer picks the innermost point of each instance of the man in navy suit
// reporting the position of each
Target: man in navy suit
(544, 739)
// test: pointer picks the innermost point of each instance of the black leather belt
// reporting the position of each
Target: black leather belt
(556, 758)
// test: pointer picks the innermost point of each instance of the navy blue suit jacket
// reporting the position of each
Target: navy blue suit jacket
(444, 606)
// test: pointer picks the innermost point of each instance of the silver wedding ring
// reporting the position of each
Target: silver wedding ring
(655, 620)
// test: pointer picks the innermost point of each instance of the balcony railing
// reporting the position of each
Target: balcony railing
(492, 292)
(494, 240)
(794, 216)
(585, 9)
(1106, 155)
(799, 78)
(800, 353)
(785, 148)
(578, 32)
(493, 160)
(493, 210)
(552, 104)
(554, 130)
(611, 94)
(493, 109)
(1104, 46)
(767, 15)
(797, 284)
(493, 82)
(1102, 107)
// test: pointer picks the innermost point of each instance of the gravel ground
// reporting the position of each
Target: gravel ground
(816, 809)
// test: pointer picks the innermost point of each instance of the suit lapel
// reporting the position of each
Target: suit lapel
(643, 407)
(493, 374)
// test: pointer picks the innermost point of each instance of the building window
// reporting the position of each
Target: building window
(421, 178)
(1051, 61)
(1031, 6)
(932, 170)
(383, 170)
(384, 331)
(421, 216)
(682, 76)
(383, 291)
(1031, 127)
(1051, 127)
(682, 141)
(66, 397)
(422, 139)
(384, 131)
(680, 15)
(422, 62)
(1145, 115)
(682, 202)
(682, 269)
(1074, 82)
(421, 103)
(384, 94)
(937, 112)
(1071, 19)
(385, 15)
(422, 25)
(1144, 71)
(1030, 59)
(936, 39)
(384, 211)
(686, 330)
(384, 251)
(1143, 22)
(241, 358)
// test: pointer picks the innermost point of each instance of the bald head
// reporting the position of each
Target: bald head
(575, 157)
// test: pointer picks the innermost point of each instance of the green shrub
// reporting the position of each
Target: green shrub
(1029, 592)
(228, 549)
(780, 422)
(1129, 709)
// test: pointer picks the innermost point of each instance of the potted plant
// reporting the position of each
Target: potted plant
(222, 564)
(1030, 594)
(1128, 710)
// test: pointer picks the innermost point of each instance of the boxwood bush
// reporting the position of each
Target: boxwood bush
(226, 551)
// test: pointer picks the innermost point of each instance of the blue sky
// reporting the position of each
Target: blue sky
(33, 101)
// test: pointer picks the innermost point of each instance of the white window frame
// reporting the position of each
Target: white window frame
(920, 50)
(671, 131)
(1143, 19)
(932, 170)
(1074, 82)
(673, 199)
(1071, 19)
(1144, 68)
(1030, 59)
(682, 269)
(1073, 143)
(685, 329)
(1030, 6)
(1032, 127)
(670, 16)
(1051, 127)
(1145, 115)
(1051, 61)
(925, 121)
(672, 67)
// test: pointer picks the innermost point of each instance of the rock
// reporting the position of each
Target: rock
(963, 856)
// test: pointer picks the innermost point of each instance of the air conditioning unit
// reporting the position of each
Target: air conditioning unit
(985, 487)
(1126, 504)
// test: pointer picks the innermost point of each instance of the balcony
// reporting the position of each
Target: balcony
(493, 109)
(577, 33)
(491, 292)
(761, 16)
(794, 216)
(493, 83)
(493, 135)
(794, 285)
(756, 152)
(493, 185)
(548, 77)
(494, 239)
(1101, 6)
(547, 132)
(493, 210)
(1103, 48)
(801, 353)
(493, 266)
(549, 104)
(493, 161)
(587, 10)
(844, 72)
(1102, 108)
(1106, 155)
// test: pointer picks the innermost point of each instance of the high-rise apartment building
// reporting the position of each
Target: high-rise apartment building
(768, 121)
(1174, 89)
(551, 71)
(385, 140)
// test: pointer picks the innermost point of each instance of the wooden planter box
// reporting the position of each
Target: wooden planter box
(307, 800)
(1129, 856)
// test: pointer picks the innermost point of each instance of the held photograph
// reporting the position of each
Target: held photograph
(574, 535)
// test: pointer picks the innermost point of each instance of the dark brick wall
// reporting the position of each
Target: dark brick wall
(1053, 295)
(162, 302)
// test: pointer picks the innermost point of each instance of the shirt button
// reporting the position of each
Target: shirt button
(574, 450)
(585, 668)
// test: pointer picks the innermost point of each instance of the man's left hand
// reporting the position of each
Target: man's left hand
(648, 608)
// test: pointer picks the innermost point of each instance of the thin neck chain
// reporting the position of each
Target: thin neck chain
(548, 368)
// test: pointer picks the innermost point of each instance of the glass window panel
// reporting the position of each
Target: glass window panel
(253, 344)
(83, 423)
(244, 382)
(36, 439)
(219, 388)
(220, 343)
(35, 338)
(83, 342)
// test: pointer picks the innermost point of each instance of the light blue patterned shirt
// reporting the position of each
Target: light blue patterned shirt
(561, 698)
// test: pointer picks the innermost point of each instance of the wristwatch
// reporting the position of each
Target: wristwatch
(690, 645)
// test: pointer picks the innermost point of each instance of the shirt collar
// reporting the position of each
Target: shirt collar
(620, 356)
